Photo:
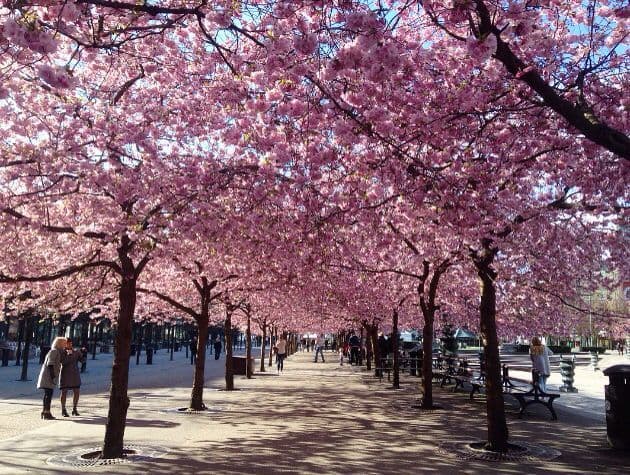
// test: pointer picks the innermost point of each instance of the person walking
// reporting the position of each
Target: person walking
(70, 377)
(355, 345)
(193, 350)
(49, 373)
(539, 355)
(319, 347)
(217, 347)
(281, 352)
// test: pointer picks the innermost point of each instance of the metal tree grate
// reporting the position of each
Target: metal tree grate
(90, 457)
(517, 452)
(186, 411)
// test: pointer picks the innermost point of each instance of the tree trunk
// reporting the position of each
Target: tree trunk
(118, 400)
(368, 347)
(229, 367)
(427, 361)
(497, 425)
(377, 350)
(248, 347)
(28, 336)
(139, 341)
(18, 350)
(196, 397)
(94, 334)
(270, 347)
(396, 369)
(172, 339)
(262, 348)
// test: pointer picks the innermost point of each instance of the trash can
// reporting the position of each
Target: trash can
(413, 355)
(149, 352)
(617, 394)
(238, 365)
(415, 361)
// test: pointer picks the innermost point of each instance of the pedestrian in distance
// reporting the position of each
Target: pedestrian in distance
(281, 352)
(217, 347)
(539, 355)
(193, 350)
(70, 376)
(49, 374)
(355, 346)
(319, 347)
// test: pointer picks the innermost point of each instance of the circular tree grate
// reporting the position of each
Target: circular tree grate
(519, 452)
(92, 457)
(417, 406)
(186, 411)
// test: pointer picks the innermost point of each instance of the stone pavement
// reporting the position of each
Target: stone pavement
(312, 418)
(17, 398)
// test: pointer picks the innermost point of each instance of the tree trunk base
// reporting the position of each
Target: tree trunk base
(488, 447)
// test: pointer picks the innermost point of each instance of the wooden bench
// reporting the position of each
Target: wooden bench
(457, 371)
(405, 362)
(524, 395)
(529, 395)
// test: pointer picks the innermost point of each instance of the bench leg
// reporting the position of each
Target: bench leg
(548, 405)
(474, 389)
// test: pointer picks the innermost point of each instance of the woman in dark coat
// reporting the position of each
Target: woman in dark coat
(217, 347)
(49, 373)
(70, 377)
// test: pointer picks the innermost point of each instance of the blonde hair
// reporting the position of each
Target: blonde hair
(59, 343)
(536, 347)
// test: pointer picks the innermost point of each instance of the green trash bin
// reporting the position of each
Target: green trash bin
(617, 394)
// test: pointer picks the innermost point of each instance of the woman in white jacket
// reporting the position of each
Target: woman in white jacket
(49, 374)
(539, 355)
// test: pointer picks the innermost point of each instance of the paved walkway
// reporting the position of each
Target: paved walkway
(313, 418)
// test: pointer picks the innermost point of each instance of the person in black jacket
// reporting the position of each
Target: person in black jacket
(193, 350)
(383, 346)
(355, 346)
(217, 347)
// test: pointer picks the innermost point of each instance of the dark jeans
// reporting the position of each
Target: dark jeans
(319, 351)
(280, 358)
(48, 394)
(217, 354)
(354, 355)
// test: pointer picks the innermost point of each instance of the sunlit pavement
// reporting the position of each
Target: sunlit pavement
(312, 418)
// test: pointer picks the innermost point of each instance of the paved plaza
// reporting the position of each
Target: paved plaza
(312, 418)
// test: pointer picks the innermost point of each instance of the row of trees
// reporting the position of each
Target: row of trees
(314, 165)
